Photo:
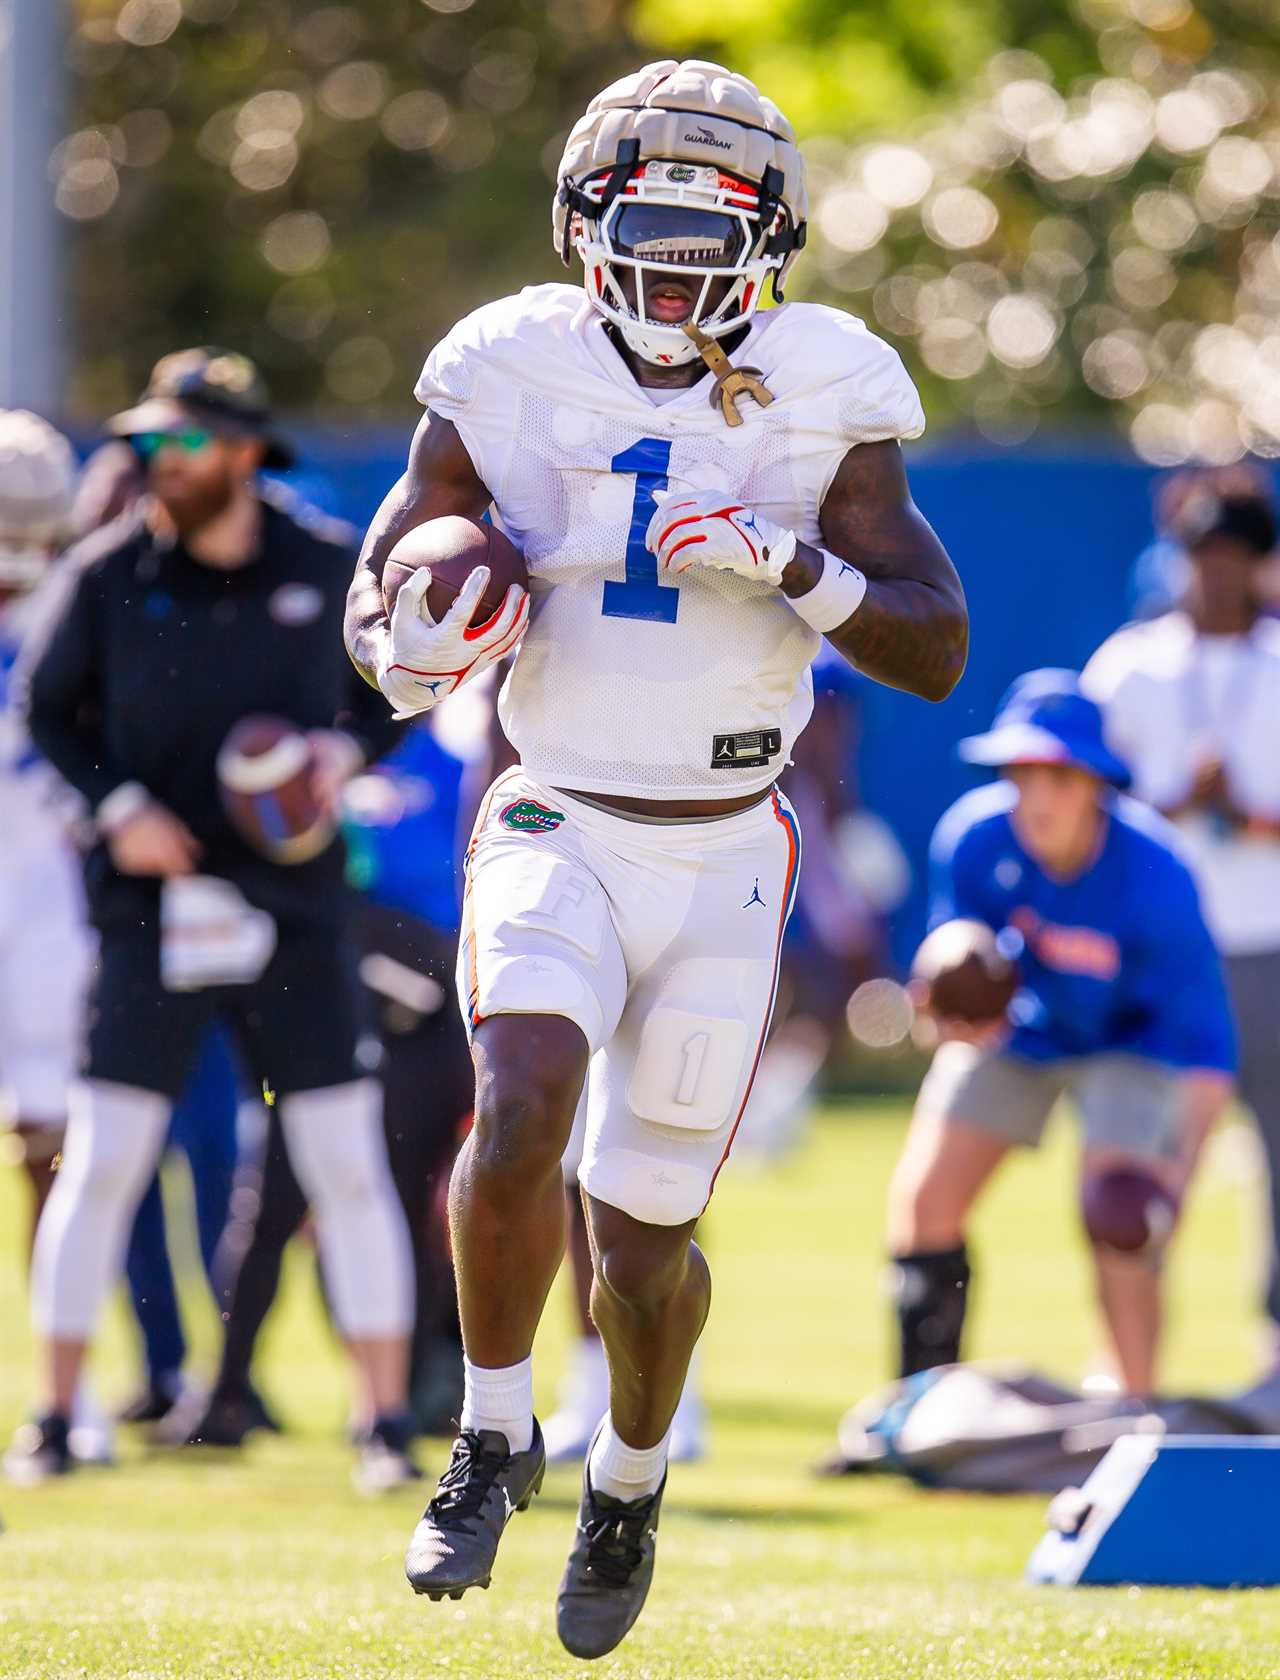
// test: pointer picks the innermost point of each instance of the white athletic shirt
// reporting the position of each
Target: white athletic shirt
(627, 684)
(1172, 700)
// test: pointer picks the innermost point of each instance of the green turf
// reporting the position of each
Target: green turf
(269, 1565)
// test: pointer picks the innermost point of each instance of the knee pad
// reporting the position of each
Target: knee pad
(656, 1190)
(1127, 1210)
(688, 1070)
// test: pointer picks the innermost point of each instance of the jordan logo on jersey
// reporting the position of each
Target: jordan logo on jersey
(526, 816)
(749, 749)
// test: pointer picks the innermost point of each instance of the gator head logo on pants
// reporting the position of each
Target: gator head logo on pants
(526, 816)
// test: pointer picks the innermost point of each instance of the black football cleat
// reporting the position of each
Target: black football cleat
(610, 1567)
(40, 1450)
(454, 1545)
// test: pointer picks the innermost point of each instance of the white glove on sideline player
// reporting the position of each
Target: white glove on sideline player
(712, 528)
(424, 661)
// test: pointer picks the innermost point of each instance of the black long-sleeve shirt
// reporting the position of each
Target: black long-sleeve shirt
(155, 656)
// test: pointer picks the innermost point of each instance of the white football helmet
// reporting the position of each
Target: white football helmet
(37, 489)
(685, 173)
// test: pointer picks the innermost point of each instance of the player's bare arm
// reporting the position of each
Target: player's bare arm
(911, 629)
(438, 480)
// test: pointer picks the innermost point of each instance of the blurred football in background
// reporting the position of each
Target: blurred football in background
(961, 974)
(453, 547)
(265, 770)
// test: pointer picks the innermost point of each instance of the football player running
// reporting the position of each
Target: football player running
(691, 526)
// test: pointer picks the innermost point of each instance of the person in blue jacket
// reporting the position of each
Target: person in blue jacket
(1121, 1006)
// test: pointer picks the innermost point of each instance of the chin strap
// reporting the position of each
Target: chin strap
(731, 382)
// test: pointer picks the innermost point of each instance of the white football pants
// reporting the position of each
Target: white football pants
(661, 942)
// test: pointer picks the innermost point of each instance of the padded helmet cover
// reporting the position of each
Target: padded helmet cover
(692, 112)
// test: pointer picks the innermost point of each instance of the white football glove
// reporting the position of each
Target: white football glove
(713, 528)
(424, 661)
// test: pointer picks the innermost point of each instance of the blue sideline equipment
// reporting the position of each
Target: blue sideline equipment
(1191, 1511)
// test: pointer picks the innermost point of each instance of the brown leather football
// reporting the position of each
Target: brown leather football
(265, 777)
(961, 974)
(453, 547)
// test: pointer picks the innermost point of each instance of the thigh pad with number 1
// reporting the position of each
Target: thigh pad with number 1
(688, 1070)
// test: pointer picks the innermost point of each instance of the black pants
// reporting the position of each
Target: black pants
(302, 1026)
(429, 1090)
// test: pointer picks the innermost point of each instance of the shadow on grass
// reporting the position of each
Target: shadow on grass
(816, 1516)
(784, 1413)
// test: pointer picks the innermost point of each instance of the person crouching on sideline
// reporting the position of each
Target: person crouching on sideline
(1120, 1005)
(1192, 701)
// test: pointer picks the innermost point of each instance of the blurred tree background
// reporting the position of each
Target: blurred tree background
(327, 187)
(1060, 211)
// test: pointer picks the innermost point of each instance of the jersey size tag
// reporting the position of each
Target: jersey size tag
(749, 749)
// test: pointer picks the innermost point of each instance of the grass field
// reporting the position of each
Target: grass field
(268, 1564)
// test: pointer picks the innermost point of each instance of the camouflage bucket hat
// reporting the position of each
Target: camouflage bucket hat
(220, 387)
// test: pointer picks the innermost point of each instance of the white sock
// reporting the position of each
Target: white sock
(500, 1397)
(625, 1472)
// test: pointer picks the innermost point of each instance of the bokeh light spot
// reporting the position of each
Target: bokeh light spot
(296, 242)
(148, 23)
(961, 217)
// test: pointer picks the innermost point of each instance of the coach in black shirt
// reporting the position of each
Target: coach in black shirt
(215, 600)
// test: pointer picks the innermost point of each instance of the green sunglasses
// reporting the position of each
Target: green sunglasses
(148, 444)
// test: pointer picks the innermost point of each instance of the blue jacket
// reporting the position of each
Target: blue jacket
(1117, 959)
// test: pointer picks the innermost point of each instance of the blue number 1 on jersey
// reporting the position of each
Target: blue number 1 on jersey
(642, 596)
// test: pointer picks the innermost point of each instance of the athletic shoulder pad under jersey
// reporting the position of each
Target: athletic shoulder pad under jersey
(808, 352)
(533, 338)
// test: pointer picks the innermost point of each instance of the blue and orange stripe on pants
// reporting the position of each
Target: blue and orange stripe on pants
(786, 818)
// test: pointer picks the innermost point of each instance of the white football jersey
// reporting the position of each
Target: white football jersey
(628, 683)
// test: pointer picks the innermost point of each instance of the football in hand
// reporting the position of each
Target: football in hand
(265, 776)
(960, 974)
(453, 547)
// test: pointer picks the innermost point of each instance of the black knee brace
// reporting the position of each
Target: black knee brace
(930, 1293)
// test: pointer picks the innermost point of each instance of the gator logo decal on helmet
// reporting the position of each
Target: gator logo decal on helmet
(526, 816)
(681, 168)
